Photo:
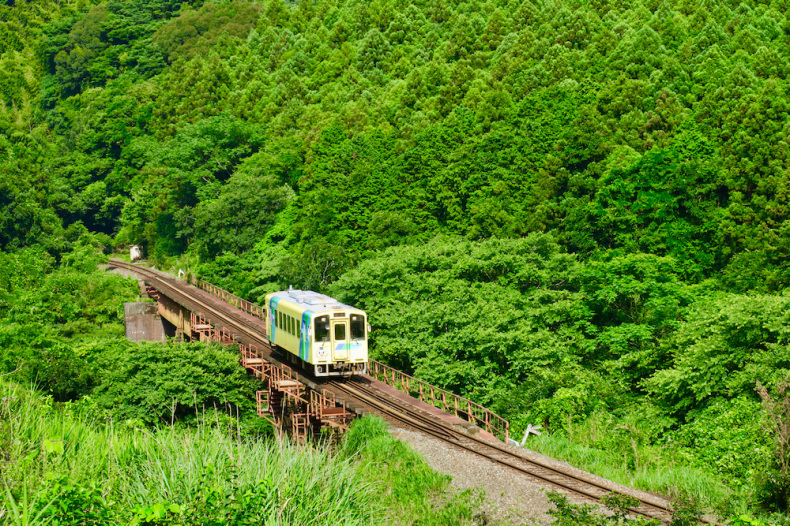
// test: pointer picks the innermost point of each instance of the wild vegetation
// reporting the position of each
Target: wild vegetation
(95, 429)
(62, 465)
(574, 212)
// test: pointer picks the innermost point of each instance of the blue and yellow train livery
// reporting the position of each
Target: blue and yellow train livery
(326, 336)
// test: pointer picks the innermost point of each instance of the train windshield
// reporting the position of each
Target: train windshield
(322, 329)
(357, 327)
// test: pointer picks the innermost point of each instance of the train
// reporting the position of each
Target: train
(317, 332)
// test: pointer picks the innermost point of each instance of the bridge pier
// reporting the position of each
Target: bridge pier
(290, 405)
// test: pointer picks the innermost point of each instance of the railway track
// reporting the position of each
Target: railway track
(359, 391)
(181, 293)
(541, 473)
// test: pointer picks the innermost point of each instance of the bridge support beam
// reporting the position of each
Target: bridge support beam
(178, 316)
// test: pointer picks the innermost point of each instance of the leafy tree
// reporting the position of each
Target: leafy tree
(776, 409)
(56, 318)
(242, 213)
(180, 174)
(474, 318)
(194, 31)
(654, 207)
(374, 51)
(727, 343)
(155, 384)
(636, 301)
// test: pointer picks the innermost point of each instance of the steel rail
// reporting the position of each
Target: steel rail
(547, 475)
(173, 287)
(364, 395)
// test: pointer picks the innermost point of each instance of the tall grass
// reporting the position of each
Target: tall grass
(186, 475)
(660, 475)
(408, 487)
(140, 468)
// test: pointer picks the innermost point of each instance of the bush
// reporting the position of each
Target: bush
(154, 383)
(567, 514)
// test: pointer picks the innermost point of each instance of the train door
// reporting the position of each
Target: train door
(340, 340)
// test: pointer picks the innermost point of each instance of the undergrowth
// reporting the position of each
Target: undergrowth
(661, 476)
(63, 467)
(407, 487)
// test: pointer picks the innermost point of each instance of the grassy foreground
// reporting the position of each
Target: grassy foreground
(61, 467)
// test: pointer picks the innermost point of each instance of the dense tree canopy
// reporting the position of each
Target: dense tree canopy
(579, 206)
(626, 126)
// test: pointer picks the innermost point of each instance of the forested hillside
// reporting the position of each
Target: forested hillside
(575, 212)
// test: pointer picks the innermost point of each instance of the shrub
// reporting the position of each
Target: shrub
(152, 383)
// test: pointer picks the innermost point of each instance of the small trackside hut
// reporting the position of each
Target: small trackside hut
(325, 336)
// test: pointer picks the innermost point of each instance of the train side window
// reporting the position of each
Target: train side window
(322, 329)
(357, 327)
(298, 329)
(292, 325)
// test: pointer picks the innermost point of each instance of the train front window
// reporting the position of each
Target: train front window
(340, 332)
(357, 327)
(322, 329)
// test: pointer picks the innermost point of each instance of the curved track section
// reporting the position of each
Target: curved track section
(359, 392)
(541, 473)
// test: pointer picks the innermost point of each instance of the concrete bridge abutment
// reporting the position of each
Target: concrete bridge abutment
(143, 322)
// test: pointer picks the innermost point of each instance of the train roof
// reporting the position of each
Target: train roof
(310, 300)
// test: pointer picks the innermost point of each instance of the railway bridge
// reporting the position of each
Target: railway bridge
(293, 401)
(301, 405)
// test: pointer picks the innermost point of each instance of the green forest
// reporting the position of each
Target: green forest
(575, 212)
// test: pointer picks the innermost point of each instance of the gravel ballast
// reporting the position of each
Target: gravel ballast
(509, 498)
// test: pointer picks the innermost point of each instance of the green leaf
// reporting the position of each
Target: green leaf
(53, 445)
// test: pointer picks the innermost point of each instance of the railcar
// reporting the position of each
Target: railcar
(325, 336)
